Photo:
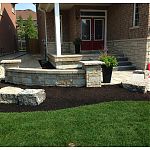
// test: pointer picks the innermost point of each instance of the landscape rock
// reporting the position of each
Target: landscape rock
(31, 97)
(135, 85)
(9, 94)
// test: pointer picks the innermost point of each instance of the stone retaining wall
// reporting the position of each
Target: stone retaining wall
(137, 50)
(46, 77)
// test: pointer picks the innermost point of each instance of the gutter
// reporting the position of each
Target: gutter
(46, 50)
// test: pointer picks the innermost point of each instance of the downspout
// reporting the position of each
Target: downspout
(46, 50)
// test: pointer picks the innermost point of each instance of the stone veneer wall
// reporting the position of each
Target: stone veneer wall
(67, 47)
(137, 50)
(46, 77)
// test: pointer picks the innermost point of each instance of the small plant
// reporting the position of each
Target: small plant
(110, 61)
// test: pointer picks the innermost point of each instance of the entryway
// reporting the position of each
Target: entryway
(93, 25)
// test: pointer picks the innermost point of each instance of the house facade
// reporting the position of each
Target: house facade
(25, 14)
(122, 28)
(8, 38)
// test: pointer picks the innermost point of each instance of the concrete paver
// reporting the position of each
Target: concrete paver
(119, 76)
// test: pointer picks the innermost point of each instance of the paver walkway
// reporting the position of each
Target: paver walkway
(119, 76)
(27, 60)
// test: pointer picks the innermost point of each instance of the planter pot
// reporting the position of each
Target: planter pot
(107, 72)
(77, 49)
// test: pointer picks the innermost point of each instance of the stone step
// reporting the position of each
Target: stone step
(124, 68)
(116, 54)
(124, 63)
(122, 58)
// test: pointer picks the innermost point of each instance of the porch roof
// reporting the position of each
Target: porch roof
(64, 6)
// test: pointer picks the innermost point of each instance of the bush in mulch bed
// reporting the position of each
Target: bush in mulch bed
(65, 97)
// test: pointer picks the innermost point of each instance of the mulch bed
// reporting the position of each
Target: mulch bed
(65, 97)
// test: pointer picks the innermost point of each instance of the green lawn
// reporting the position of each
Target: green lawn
(104, 124)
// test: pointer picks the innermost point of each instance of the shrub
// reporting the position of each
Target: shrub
(110, 61)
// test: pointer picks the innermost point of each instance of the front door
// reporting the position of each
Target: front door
(92, 33)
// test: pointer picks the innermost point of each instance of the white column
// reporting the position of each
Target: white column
(57, 29)
(105, 39)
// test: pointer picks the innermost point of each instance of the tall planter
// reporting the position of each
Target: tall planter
(77, 43)
(77, 48)
(107, 73)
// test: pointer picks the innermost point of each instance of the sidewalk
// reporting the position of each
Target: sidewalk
(119, 76)
(13, 56)
(27, 60)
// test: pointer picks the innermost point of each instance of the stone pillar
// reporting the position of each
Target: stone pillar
(93, 73)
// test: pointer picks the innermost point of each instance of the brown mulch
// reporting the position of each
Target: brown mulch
(65, 97)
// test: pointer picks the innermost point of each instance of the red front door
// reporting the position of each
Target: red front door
(92, 33)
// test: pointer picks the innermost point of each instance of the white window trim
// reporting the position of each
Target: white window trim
(0, 9)
(90, 29)
(13, 9)
(134, 10)
(102, 30)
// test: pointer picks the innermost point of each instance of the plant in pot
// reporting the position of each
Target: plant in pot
(110, 62)
(77, 43)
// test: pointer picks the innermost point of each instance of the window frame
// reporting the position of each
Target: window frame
(13, 8)
(134, 15)
(102, 30)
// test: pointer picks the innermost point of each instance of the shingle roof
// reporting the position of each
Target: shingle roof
(25, 14)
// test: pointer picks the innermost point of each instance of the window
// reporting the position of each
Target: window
(86, 27)
(87, 13)
(136, 15)
(13, 8)
(98, 25)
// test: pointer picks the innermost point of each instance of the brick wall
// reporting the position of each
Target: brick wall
(8, 38)
(120, 18)
(125, 38)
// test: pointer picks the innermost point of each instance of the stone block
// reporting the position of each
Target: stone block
(31, 97)
(135, 86)
(9, 94)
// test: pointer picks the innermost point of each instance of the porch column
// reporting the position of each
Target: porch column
(57, 29)
(105, 40)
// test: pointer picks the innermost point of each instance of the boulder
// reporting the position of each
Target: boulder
(135, 85)
(31, 97)
(9, 94)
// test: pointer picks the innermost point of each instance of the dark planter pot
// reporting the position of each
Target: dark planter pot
(77, 49)
(107, 72)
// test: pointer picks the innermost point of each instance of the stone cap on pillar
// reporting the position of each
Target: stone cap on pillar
(92, 63)
(12, 61)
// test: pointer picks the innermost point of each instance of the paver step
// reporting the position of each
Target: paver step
(123, 68)
(124, 63)
(122, 58)
(116, 54)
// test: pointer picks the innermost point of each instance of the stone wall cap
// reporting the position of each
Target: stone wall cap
(92, 63)
(47, 71)
(12, 61)
(10, 90)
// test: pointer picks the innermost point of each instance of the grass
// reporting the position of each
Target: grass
(105, 124)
